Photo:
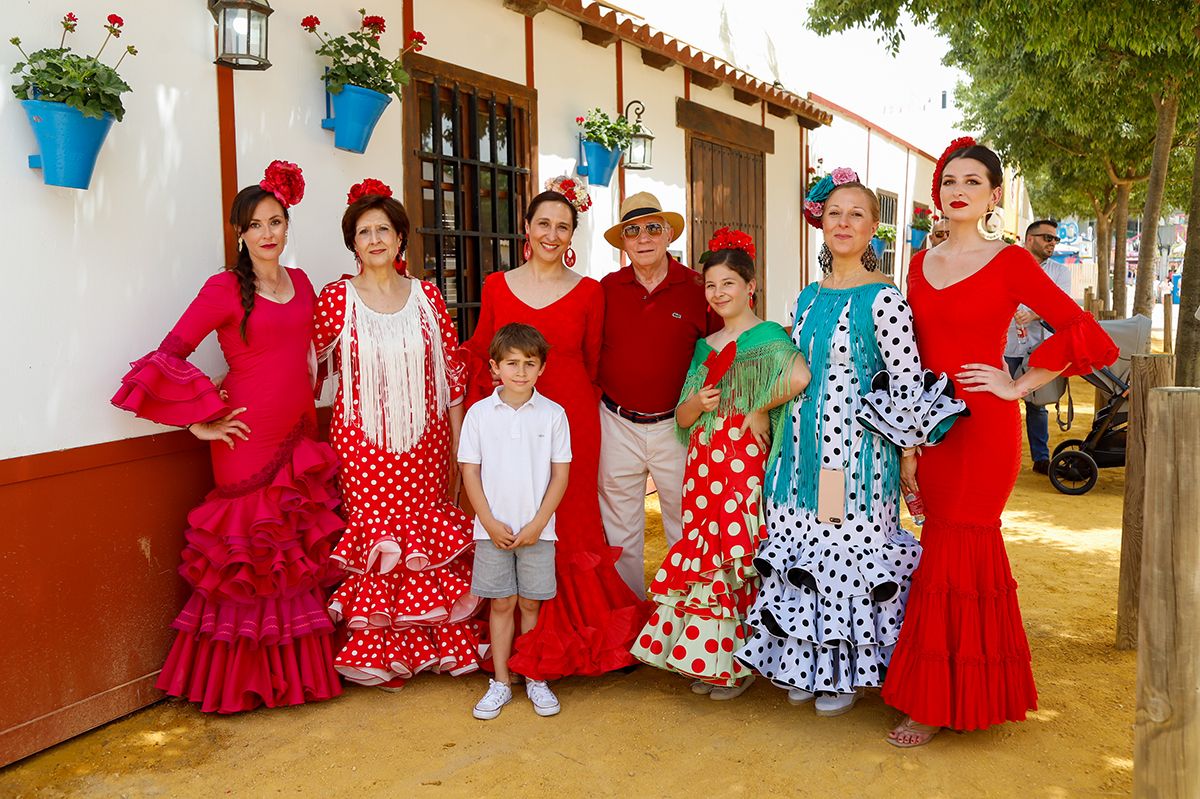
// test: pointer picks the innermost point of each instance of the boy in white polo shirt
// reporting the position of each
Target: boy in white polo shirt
(515, 451)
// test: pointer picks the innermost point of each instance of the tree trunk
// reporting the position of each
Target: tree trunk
(1164, 135)
(1103, 268)
(1120, 229)
(1187, 356)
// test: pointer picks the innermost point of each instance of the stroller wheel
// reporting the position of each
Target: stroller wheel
(1073, 472)
(1070, 443)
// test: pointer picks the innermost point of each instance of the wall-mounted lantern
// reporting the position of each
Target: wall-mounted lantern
(242, 32)
(641, 144)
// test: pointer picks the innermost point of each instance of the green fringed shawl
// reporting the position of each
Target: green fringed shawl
(760, 373)
(793, 470)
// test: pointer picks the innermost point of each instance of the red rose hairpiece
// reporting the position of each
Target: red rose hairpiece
(576, 193)
(729, 239)
(957, 144)
(369, 187)
(285, 180)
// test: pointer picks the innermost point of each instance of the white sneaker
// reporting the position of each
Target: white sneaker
(545, 703)
(798, 696)
(836, 704)
(721, 693)
(498, 695)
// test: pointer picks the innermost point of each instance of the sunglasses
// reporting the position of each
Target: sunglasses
(653, 230)
(1049, 238)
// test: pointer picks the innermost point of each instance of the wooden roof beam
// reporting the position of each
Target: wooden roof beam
(597, 36)
(656, 60)
(743, 96)
(703, 79)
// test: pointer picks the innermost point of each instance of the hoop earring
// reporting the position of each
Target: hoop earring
(569, 258)
(870, 260)
(825, 259)
(527, 251)
(987, 229)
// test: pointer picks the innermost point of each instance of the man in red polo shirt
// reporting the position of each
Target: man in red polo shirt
(654, 311)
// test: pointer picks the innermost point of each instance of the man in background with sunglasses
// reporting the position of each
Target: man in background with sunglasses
(654, 312)
(1025, 333)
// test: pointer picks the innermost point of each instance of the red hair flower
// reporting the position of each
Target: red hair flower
(729, 239)
(286, 181)
(957, 144)
(374, 23)
(115, 21)
(310, 23)
(369, 187)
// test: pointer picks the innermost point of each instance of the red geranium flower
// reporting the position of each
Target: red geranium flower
(115, 21)
(374, 23)
(369, 186)
(418, 37)
(310, 23)
(578, 120)
(285, 180)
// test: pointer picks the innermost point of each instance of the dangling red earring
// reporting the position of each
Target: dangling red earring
(569, 258)
(527, 253)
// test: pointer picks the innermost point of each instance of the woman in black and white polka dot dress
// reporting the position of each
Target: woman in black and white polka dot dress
(833, 591)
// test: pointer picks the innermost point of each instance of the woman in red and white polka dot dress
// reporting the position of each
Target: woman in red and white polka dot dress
(406, 603)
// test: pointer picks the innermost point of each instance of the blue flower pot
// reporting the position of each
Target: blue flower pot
(69, 142)
(355, 112)
(878, 245)
(917, 238)
(598, 163)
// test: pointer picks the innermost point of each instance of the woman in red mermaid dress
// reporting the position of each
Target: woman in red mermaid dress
(590, 625)
(962, 660)
(406, 602)
(254, 630)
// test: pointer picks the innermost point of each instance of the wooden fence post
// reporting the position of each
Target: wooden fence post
(1088, 295)
(1168, 324)
(1166, 750)
(1147, 372)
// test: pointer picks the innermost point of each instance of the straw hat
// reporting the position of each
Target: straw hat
(640, 206)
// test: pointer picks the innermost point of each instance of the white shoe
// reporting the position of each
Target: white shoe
(798, 696)
(836, 704)
(721, 693)
(498, 695)
(701, 687)
(545, 703)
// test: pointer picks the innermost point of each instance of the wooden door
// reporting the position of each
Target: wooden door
(727, 188)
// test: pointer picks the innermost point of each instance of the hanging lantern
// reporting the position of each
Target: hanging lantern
(641, 144)
(242, 32)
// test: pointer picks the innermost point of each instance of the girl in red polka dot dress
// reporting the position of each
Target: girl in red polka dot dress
(407, 603)
(707, 582)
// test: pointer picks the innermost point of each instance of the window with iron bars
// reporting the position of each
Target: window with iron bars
(472, 135)
(888, 205)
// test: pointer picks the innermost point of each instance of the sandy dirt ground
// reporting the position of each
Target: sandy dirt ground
(646, 734)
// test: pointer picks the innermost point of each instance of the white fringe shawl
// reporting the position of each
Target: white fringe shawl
(393, 353)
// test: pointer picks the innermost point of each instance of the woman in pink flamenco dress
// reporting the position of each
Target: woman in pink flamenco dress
(589, 626)
(254, 631)
(406, 603)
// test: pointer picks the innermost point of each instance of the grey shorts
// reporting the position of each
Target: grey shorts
(525, 571)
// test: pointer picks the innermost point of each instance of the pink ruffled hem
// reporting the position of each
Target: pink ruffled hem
(1077, 348)
(165, 388)
(274, 542)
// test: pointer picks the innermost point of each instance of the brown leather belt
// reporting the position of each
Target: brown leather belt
(635, 416)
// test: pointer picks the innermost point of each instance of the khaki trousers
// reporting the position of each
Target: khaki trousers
(628, 452)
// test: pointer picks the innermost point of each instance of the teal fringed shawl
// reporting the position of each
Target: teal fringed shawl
(793, 470)
(761, 372)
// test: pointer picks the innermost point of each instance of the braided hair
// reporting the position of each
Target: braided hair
(241, 213)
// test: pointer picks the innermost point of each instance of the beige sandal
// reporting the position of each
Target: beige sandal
(915, 734)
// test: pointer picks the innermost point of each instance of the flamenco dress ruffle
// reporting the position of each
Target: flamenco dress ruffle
(708, 581)
(406, 601)
(254, 631)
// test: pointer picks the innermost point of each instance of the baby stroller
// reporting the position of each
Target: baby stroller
(1076, 462)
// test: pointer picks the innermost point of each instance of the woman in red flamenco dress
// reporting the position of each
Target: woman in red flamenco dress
(254, 630)
(962, 660)
(406, 603)
(589, 626)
